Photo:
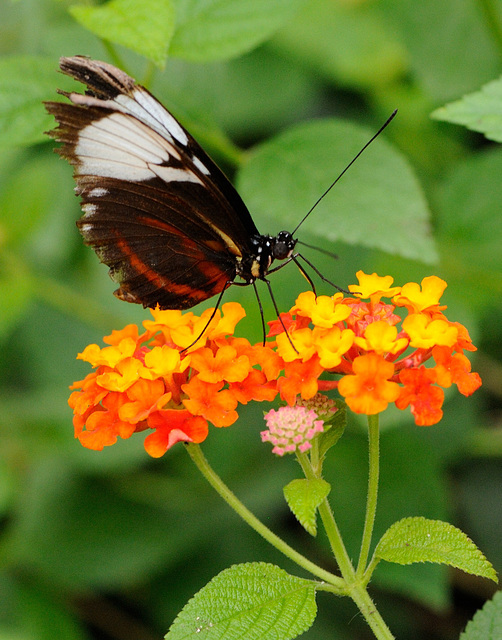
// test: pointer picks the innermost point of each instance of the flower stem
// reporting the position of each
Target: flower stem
(355, 580)
(330, 525)
(370, 613)
(231, 499)
(371, 501)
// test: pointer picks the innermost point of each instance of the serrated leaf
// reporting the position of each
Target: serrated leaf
(487, 623)
(144, 26)
(304, 497)
(378, 203)
(248, 602)
(209, 30)
(480, 111)
(24, 83)
(421, 540)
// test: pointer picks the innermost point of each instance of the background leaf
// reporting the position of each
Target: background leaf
(144, 26)
(480, 111)
(445, 72)
(254, 600)
(349, 43)
(378, 203)
(421, 540)
(25, 81)
(219, 29)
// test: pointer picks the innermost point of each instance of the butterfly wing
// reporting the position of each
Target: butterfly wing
(157, 209)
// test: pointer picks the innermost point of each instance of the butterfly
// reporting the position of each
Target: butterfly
(157, 210)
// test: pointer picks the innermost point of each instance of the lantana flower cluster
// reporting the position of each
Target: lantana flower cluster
(404, 352)
(382, 345)
(157, 381)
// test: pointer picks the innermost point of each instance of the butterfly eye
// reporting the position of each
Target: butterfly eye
(283, 245)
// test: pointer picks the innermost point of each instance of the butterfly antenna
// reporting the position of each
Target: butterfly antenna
(330, 254)
(343, 172)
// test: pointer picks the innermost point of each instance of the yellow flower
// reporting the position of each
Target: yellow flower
(381, 338)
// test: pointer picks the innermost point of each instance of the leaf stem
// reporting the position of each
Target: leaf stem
(195, 452)
(372, 498)
(112, 52)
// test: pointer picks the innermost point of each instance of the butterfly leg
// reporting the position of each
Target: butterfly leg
(276, 312)
(216, 307)
(293, 258)
(316, 270)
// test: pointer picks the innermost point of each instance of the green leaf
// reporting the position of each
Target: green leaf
(487, 623)
(304, 497)
(421, 540)
(144, 26)
(450, 47)
(469, 228)
(209, 30)
(24, 83)
(348, 42)
(253, 600)
(378, 203)
(480, 111)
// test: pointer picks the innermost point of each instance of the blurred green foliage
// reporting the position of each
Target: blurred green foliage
(282, 94)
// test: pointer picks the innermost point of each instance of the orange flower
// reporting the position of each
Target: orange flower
(300, 378)
(208, 400)
(379, 355)
(223, 365)
(324, 311)
(186, 371)
(455, 368)
(424, 398)
(369, 390)
(151, 381)
(172, 426)
(254, 387)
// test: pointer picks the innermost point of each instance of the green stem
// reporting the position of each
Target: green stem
(112, 52)
(148, 74)
(371, 502)
(356, 587)
(231, 499)
(370, 613)
(330, 526)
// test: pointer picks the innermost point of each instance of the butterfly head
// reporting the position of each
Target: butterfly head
(283, 245)
(266, 249)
